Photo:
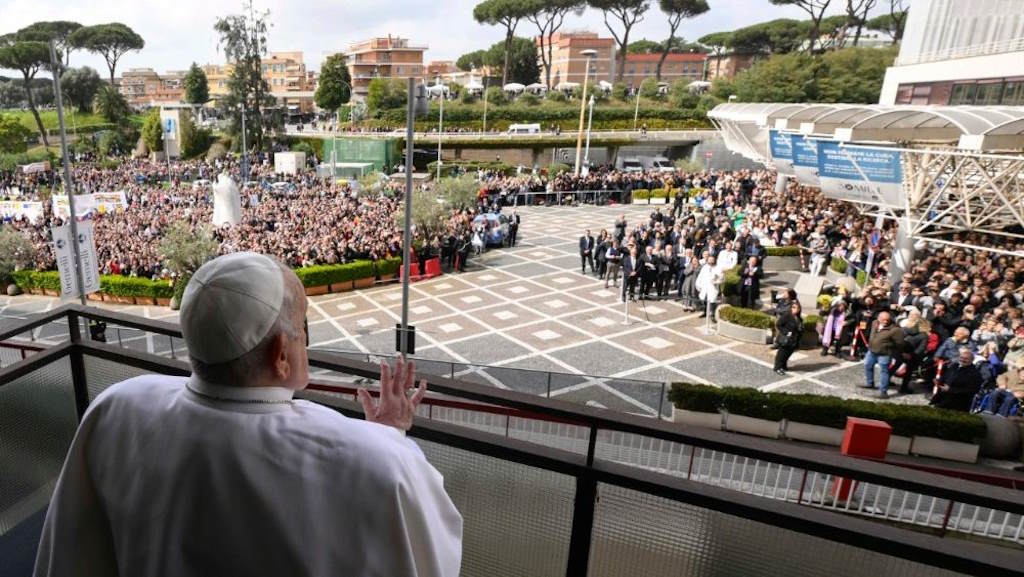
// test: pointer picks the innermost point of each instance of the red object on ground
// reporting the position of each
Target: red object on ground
(432, 269)
(863, 438)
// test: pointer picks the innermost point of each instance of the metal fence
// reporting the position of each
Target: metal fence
(527, 474)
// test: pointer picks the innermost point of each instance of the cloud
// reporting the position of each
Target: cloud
(181, 32)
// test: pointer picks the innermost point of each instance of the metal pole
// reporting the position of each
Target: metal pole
(485, 105)
(583, 109)
(245, 167)
(636, 111)
(167, 155)
(67, 174)
(440, 128)
(590, 119)
(407, 230)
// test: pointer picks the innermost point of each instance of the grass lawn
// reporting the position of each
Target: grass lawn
(72, 119)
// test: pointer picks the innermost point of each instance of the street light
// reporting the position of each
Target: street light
(590, 53)
(440, 126)
(636, 111)
(590, 119)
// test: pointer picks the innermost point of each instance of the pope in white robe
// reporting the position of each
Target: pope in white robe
(178, 476)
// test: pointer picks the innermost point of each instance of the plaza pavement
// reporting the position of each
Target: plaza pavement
(529, 307)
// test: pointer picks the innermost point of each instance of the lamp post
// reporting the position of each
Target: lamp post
(440, 127)
(485, 104)
(590, 119)
(589, 53)
(636, 111)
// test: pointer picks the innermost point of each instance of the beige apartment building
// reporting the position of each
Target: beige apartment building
(728, 65)
(568, 65)
(390, 57)
(285, 73)
(143, 87)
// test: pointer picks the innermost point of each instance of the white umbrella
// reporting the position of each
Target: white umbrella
(699, 84)
(437, 89)
(513, 87)
(567, 86)
(604, 85)
(536, 87)
(474, 85)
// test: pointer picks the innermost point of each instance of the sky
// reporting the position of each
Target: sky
(180, 32)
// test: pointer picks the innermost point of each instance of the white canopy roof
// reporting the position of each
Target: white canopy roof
(979, 128)
(513, 87)
(567, 85)
(536, 86)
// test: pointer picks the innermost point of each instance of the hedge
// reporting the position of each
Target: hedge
(641, 194)
(545, 114)
(124, 286)
(449, 166)
(746, 317)
(782, 251)
(731, 281)
(838, 265)
(862, 277)
(905, 420)
(113, 285)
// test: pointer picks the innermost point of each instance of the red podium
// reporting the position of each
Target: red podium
(432, 269)
(863, 438)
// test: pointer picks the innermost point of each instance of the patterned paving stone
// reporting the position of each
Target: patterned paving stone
(728, 370)
(599, 358)
(488, 349)
(545, 335)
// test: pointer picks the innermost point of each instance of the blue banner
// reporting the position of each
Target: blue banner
(805, 159)
(860, 174)
(780, 145)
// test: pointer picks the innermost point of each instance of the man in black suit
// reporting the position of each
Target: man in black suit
(620, 228)
(513, 227)
(750, 283)
(648, 271)
(630, 274)
(587, 251)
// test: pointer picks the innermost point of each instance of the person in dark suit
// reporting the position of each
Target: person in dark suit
(614, 258)
(513, 227)
(648, 271)
(666, 266)
(788, 329)
(630, 274)
(620, 228)
(587, 245)
(750, 283)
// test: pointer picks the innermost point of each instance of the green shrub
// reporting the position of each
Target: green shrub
(556, 96)
(557, 168)
(746, 317)
(838, 265)
(782, 251)
(528, 99)
(659, 193)
(824, 302)
(811, 324)
(906, 420)
(24, 279)
(126, 286)
(162, 289)
(326, 274)
(47, 280)
(862, 277)
(388, 266)
(641, 194)
(731, 281)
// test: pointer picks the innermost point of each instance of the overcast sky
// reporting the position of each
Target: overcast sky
(180, 32)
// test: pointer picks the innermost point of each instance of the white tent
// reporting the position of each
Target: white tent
(474, 86)
(567, 86)
(698, 86)
(437, 89)
(536, 88)
(513, 87)
(605, 85)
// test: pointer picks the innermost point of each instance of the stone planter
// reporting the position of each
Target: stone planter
(741, 333)
(340, 287)
(312, 291)
(94, 297)
(782, 263)
(899, 445)
(1002, 437)
(943, 449)
(388, 277)
(832, 277)
(809, 340)
(813, 433)
(364, 282)
(124, 300)
(51, 293)
(697, 419)
(35, 291)
(162, 302)
(145, 301)
(752, 426)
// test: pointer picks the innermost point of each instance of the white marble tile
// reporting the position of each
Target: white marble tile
(421, 309)
(518, 290)
(346, 306)
(604, 293)
(471, 299)
(367, 322)
(546, 335)
(555, 304)
(602, 321)
(654, 310)
(562, 280)
(449, 328)
(656, 343)
(505, 315)
(393, 296)
(488, 277)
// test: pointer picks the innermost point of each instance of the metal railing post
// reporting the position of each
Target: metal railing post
(583, 515)
(171, 340)
(78, 377)
(549, 384)
(661, 400)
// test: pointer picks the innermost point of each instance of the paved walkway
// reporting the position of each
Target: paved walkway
(529, 307)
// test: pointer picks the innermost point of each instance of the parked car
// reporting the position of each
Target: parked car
(495, 228)
(662, 164)
(632, 164)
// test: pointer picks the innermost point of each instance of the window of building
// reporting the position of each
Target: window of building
(921, 94)
(940, 93)
(989, 92)
(631, 70)
(1013, 92)
(963, 93)
(904, 93)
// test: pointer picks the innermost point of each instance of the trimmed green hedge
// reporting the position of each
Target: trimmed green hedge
(782, 251)
(746, 317)
(545, 114)
(113, 285)
(327, 274)
(641, 194)
(838, 265)
(389, 265)
(825, 411)
(731, 281)
(862, 277)
(449, 166)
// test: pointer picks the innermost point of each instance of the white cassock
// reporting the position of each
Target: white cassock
(211, 480)
(708, 280)
(726, 260)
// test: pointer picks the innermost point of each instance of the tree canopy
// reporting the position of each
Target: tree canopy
(643, 46)
(27, 57)
(815, 9)
(471, 60)
(244, 42)
(59, 30)
(335, 85)
(197, 88)
(891, 24)
(506, 13)
(13, 134)
(80, 85)
(628, 13)
(521, 58)
(110, 104)
(548, 16)
(112, 41)
(676, 11)
(384, 93)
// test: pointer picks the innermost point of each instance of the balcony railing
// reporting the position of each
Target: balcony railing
(551, 488)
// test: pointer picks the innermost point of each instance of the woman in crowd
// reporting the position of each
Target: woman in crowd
(788, 330)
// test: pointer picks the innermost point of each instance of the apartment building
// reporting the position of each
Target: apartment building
(569, 65)
(285, 73)
(728, 65)
(390, 57)
(145, 87)
(688, 66)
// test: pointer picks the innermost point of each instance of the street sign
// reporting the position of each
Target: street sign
(169, 129)
(87, 254)
(65, 256)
